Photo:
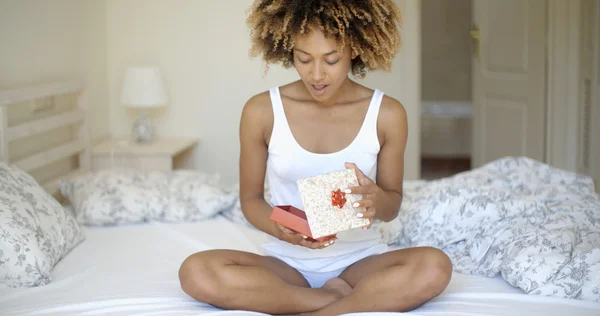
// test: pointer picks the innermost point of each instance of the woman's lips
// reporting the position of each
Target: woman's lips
(319, 89)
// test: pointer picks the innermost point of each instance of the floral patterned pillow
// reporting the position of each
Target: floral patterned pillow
(195, 196)
(35, 230)
(129, 196)
(235, 213)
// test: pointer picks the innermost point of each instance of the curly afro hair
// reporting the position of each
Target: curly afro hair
(369, 27)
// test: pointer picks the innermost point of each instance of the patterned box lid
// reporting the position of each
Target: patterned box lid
(328, 209)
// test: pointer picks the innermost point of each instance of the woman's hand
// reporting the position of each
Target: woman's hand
(294, 238)
(369, 191)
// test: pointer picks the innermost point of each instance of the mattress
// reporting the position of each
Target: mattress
(132, 270)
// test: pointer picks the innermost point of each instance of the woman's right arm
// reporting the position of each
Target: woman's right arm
(255, 126)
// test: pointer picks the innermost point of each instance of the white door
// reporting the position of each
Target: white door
(508, 79)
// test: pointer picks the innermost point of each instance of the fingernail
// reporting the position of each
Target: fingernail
(356, 204)
(365, 228)
(326, 245)
(359, 215)
(304, 237)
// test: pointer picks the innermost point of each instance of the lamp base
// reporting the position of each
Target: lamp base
(143, 132)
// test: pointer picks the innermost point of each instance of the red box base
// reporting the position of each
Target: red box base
(295, 219)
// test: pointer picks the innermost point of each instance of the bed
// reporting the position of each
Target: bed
(127, 261)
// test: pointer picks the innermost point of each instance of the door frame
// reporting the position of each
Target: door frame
(562, 84)
(595, 111)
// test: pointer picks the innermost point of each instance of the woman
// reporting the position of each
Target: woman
(322, 123)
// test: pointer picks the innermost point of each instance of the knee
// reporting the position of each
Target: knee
(197, 276)
(436, 270)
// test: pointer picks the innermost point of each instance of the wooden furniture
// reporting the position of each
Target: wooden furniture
(157, 156)
(47, 97)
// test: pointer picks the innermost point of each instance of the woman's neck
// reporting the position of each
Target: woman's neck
(342, 95)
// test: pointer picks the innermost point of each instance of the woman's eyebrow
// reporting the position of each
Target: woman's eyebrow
(327, 54)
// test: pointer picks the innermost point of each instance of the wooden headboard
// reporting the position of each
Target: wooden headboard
(38, 97)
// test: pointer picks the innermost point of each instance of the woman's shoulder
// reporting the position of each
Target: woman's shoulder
(258, 113)
(258, 104)
(392, 119)
(391, 106)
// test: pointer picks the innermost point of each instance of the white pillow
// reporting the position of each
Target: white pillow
(129, 196)
(35, 230)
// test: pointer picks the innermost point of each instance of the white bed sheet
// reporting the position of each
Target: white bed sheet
(132, 270)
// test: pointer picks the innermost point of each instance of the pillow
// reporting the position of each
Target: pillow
(130, 196)
(393, 230)
(235, 214)
(116, 197)
(35, 230)
(195, 196)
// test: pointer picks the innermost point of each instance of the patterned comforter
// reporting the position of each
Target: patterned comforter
(537, 226)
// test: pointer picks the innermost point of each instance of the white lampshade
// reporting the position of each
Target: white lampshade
(143, 87)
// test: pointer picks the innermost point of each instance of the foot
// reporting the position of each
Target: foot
(338, 286)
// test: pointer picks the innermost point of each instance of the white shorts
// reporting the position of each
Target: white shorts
(318, 279)
(318, 270)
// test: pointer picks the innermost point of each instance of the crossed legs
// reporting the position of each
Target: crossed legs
(231, 279)
(394, 281)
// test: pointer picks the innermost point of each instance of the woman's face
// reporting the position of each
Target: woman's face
(320, 64)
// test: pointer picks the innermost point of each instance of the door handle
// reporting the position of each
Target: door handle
(476, 37)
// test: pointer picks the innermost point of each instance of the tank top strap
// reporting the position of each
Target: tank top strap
(369, 128)
(277, 104)
(374, 106)
(281, 133)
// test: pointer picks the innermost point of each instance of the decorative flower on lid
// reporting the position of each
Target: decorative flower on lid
(338, 198)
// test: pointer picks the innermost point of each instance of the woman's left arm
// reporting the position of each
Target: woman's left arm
(382, 199)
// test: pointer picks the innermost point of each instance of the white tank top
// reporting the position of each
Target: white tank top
(288, 161)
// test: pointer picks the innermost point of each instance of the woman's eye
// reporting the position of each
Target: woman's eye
(303, 61)
(333, 62)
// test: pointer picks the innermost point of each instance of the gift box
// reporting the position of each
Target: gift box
(327, 209)
(295, 219)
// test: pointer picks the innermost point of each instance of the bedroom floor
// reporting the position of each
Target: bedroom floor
(435, 168)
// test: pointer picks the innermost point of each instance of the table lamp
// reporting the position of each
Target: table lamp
(143, 89)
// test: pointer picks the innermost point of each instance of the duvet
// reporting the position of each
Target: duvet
(535, 225)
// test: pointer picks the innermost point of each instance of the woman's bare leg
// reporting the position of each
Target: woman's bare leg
(238, 280)
(396, 281)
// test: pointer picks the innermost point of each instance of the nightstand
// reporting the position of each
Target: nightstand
(157, 156)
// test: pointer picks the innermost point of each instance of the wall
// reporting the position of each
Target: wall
(44, 41)
(446, 44)
(202, 48)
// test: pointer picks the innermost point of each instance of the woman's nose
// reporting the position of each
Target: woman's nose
(318, 72)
